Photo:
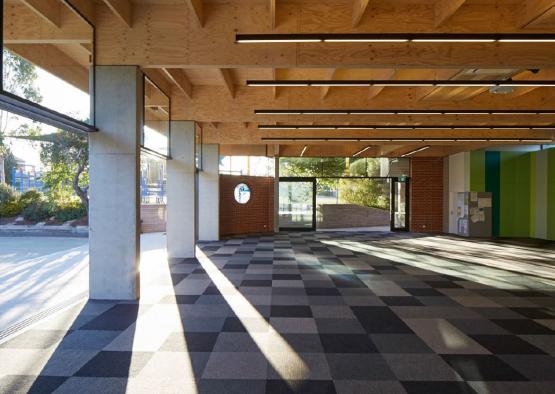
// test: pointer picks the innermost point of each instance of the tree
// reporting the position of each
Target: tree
(19, 78)
(67, 156)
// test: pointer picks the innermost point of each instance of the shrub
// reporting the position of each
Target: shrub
(11, 208)
(31, 196)
(71, 211)
(37, 211)
(6, 193)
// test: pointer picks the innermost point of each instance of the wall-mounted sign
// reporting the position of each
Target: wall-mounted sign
(242, 193)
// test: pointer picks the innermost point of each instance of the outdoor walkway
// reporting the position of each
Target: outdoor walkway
(312, 313)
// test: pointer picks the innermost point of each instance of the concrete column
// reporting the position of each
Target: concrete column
(114, 155)
(181, 189)
(209, 194)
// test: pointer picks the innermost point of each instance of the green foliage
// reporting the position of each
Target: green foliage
(70, 212)
(11, 208)
(20, 77)
(6, 193)
(365, 192)
(67, 156)
(31, 196)
(38, 211)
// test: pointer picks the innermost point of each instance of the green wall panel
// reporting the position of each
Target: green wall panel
(477, 171)
(491, 178)
(514, 191)
(551, 194)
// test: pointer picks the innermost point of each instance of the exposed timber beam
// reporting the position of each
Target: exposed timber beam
(197, 9)
(445, 9)
(82, 8)
(326, 89)
(49, 10)
(209, 104)
(55, 62)
(227, 79)
(273, 20)
(359, 8)
(200, 48)
(178, 77)
(537, 13)
(123, 9)
(24, 26)
(375, 90)
(159, 80)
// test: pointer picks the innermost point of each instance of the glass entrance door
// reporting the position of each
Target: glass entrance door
(399, 205)
(297, 204)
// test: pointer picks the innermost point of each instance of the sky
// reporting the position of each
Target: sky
(57, 95)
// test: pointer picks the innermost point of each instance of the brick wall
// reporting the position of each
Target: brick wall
(256, 216)
(426, 194)
(153, 218)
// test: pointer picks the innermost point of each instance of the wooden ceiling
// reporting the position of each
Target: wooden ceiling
(187, 47)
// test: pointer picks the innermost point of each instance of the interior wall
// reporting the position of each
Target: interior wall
(458, 181)
(522, 185)
(254, 217)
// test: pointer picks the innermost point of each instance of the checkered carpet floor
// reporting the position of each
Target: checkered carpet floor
(301, 312)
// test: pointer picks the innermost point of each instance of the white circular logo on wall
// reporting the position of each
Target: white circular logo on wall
(242, 193)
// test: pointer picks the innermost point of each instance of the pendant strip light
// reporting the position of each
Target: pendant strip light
(395, 38)
(412, 152)
(404, 127)
(401, 83)
(399, 112)
(362, 151)
(431, 139)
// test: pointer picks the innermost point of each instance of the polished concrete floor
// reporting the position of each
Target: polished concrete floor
(311, 313)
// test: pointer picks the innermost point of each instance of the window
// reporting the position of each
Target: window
(247, 165)
(343, 167)
(45, 68)
(156, 129)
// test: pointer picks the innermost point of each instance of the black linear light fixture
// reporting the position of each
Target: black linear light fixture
(431, 139)
(398, 112)
(412, 152)
(403, 127)
(395, 38)
(400, 83)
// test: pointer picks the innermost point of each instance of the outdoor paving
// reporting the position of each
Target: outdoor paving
(37, 273)
(310, 313)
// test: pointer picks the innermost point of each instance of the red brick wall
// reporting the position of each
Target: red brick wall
(153, 218)
(256, 216)
(426, 194)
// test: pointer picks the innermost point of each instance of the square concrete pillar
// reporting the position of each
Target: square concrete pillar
(114, 155)
(209, 194)
(181, 189)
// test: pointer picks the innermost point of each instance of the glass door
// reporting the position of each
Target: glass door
(400, 205)
(297, 204)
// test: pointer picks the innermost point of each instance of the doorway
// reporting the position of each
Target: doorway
(297, 204)
(298, 208)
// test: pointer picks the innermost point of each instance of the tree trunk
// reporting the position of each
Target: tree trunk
(80, 192)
